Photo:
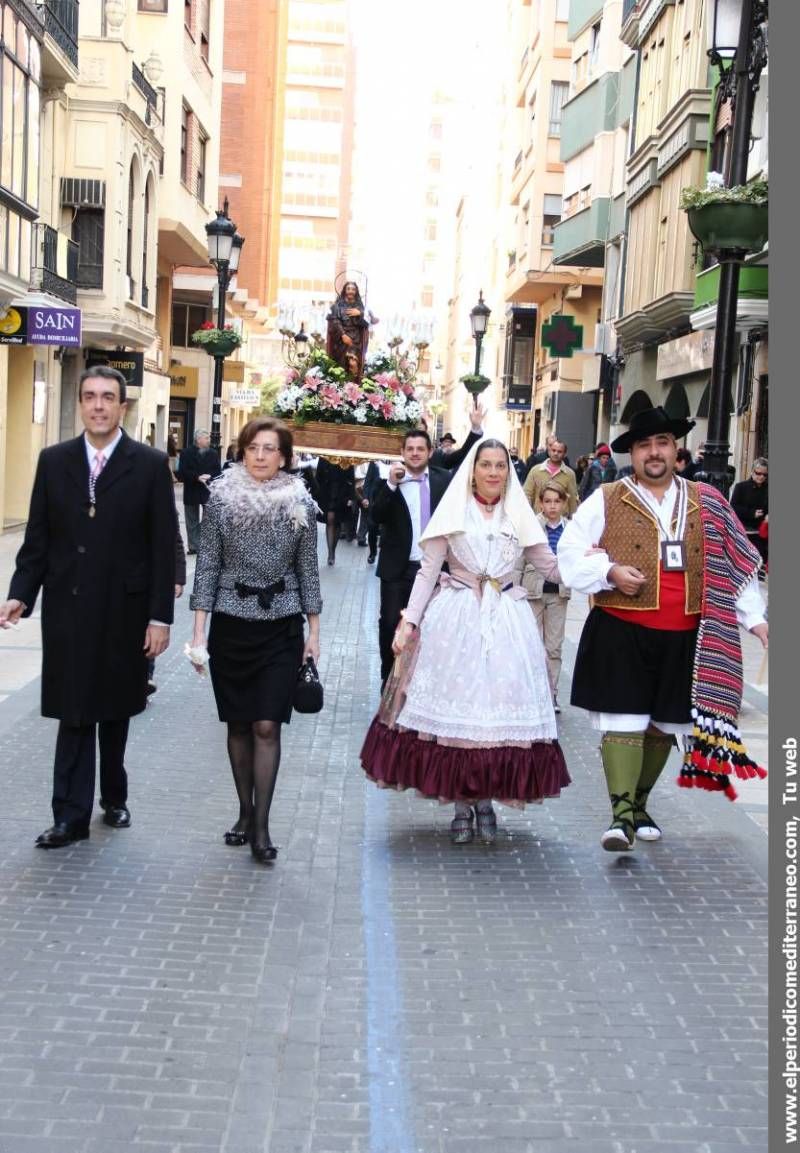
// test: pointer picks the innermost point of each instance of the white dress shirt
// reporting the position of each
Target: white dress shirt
(410, 491)
(92, 452)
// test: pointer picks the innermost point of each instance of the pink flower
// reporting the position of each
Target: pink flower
(375, 400)
(352, 392)
(408, 389)
(311, 383)
(291, 375)
(387, 408)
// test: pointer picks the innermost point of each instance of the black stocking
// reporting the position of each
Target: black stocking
(266, 761)
(331, 534)
(240, 752)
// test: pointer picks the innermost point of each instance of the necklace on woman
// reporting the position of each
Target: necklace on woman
(488, 503)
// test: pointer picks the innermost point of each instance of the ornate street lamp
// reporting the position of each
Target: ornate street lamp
(479, 319)
(224, 251)
(738, 34)
(475, 382)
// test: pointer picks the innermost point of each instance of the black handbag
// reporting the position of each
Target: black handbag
(308, 694)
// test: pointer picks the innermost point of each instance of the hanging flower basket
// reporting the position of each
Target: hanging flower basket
(475, 383)
(728, 219)
(217, 341)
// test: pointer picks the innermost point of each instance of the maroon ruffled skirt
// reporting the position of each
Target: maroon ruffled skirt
(511, 774)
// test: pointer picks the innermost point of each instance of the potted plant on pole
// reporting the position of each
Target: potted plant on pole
(475, 383)
(217, 341)
(728, 219)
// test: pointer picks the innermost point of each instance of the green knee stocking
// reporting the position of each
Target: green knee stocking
(657, 747)
(622, 755)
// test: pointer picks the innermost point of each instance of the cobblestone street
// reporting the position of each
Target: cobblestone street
(378, 990)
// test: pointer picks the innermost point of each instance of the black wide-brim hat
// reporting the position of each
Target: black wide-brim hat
(651, 422)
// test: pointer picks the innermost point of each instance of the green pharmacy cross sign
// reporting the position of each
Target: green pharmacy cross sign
(561, 335)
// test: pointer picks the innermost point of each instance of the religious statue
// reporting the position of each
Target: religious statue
(348, 330)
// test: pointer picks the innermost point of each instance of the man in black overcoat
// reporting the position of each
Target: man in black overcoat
(401, 507)
(100, 542)
(199, 465)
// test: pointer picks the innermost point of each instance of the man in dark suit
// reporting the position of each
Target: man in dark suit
(100, 541)
(199, 465)
(402, 506)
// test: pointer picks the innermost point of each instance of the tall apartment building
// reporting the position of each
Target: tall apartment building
(317, 147)
(253, 88)
(595, 133)
(286, 160)
(666, 306)
(537, 288)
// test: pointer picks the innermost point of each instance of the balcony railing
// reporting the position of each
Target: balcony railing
(145, 87)
(61, 22)
(627, 7)
(54, 263)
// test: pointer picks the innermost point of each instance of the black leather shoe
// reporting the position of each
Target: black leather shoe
(116, 817)
(371, 558)
(264, 854)
(60, 835)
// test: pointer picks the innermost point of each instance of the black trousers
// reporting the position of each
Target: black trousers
(395, 595)
(74, 769)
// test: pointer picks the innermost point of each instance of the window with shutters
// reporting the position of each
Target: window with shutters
(129, 238)
(202, 146)
(204, 25)
(551, 215)
(88, 232)
(186, 124)
(186, 319)
(559, 91)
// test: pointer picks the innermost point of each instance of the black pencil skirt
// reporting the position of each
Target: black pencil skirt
(254, 666)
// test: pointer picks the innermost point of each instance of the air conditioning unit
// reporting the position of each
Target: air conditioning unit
(574, 292)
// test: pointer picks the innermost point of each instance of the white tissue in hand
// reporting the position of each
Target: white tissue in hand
(198, 655)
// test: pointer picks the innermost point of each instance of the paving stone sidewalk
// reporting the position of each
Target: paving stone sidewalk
(378, 990)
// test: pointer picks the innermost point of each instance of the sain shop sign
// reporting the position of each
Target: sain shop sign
(34, 324)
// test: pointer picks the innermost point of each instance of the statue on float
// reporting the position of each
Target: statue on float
(349, 322)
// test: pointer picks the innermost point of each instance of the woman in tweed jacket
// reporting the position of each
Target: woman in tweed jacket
(257, 575)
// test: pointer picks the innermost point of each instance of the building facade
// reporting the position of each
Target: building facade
(665, 299)
(39, 323)
(540, 292)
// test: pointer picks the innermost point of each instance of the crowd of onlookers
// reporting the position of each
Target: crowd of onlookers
(344, 494)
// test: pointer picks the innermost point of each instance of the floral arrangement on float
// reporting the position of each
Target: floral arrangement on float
(321, 391)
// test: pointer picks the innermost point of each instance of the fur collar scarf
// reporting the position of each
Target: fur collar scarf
(246, 501)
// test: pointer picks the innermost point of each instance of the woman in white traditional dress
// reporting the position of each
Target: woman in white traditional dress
(476, 719)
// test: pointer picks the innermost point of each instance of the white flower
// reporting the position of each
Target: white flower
(360, 413)
(413, 410)
(714, 180)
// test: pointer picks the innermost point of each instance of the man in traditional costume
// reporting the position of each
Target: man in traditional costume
(672, 576)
